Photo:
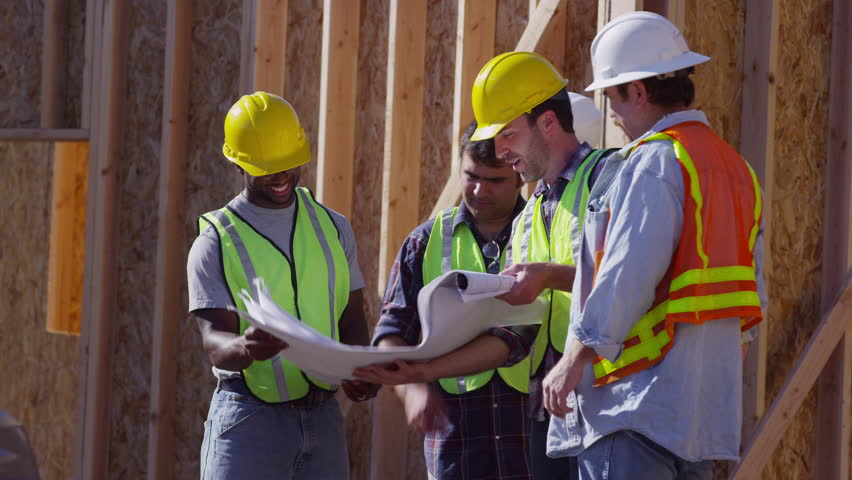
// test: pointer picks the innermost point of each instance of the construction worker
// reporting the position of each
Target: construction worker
(668, 276)
(268, 419)
(472, 418)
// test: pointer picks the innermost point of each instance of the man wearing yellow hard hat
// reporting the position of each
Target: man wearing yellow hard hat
(520, 100)
(268, 419)
(668, 276)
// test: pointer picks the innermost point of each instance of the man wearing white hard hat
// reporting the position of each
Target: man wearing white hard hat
(668, 277)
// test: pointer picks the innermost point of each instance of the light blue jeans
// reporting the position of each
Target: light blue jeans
(627, 455)
(246, 438)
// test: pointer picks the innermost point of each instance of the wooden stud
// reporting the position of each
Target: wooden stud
(834, 393)
(67, 237)
(477, 22)
(400, 191)
(537, 27)
(52, 77)
(270, 45)
(797, 386)
(338, 86)
(99, 285)
(171, 259)
(44, 134)
(757, 146)
(248, 30)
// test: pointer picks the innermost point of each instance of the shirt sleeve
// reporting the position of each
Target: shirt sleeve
(350, 249)
(643, 223)
(751, 334)
(399, 308)
(518, 338)
(206, 284)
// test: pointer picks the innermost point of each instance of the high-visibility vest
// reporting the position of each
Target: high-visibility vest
(311, 284)
(530, 243)
(712, 272)
(457, 250)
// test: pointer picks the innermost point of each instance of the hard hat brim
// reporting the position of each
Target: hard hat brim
(688, 59)
(296, 159)
(485, 132)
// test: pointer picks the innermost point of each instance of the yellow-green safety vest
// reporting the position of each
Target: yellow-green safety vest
(531, 244)
(317, 266)
(457, 249)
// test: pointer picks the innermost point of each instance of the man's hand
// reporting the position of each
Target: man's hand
(260, 345)
(398, 373)
(424, 408)
(530, 280)
(359, 391)
(564, 377)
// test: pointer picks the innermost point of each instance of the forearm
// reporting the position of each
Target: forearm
(395, 341)
(485, 352)
(559, 277)
(353, 325)
(226, 351)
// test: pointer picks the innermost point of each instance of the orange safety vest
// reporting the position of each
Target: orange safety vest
(712, 273)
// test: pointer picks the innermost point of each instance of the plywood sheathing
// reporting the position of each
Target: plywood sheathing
(797, 223)
(20, 67)
(43, 367)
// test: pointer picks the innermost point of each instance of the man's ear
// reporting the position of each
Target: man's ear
(546, 122)
(638, 93)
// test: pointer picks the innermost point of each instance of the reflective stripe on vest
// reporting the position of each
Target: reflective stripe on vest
(318, 265)
(457, 250)
(530, 243)
(712, 273)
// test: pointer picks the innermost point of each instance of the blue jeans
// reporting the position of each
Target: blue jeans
(629, 455)
(543, 467)
(247, 438)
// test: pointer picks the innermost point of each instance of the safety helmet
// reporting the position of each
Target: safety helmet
(508, 85)
(638, 45)
(587, 118)
(263, 135)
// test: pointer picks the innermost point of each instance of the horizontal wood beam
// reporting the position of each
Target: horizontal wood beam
(44, 134)
(771, 428)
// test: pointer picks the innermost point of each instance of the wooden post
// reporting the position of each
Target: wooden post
(796, 387)
(67, 237)
(270, 45)
(169, 309)
(400, 193)
(834, 393)
(52, 61)
(248, 28)
(477, 21)
(338, 86)
(99, 287)
(757, 146)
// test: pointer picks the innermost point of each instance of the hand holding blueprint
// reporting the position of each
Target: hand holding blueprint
(454, 309)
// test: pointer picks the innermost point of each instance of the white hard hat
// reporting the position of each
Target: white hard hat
(638, 45)
(587, 118)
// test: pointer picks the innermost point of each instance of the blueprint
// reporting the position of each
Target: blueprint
(454, 309)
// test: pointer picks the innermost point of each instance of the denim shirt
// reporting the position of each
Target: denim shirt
(689, 403)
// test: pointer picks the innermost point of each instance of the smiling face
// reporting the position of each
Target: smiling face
(277, 190)
(521, 145)
(490, 193)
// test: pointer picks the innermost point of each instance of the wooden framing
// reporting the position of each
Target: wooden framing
(757, 146)
(834, 387)
(796, 388)
(338, 86)
(52, 84)
(171, 261)
(99, 288)
(44, 134)
(611, 134)
(400, 191)
(270, 45)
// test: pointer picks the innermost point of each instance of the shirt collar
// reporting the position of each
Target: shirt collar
(569, 170)
(465, 216)
(669, 121)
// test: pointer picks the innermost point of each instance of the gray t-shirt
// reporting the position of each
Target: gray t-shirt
(206, 281)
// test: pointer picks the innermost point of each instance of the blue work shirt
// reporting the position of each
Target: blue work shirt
(691, 402)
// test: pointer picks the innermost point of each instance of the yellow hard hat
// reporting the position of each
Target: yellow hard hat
(508, 85)
(263, 135)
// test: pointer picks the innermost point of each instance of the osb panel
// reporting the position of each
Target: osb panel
(715, 28)
(44, 367)
(20, 66)
(367, 196)
(582, 28)
(211, 182)
(137, 243)
(74, 49)
(796, 218)
(438, 87)
(302, 84)
(512, 17)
